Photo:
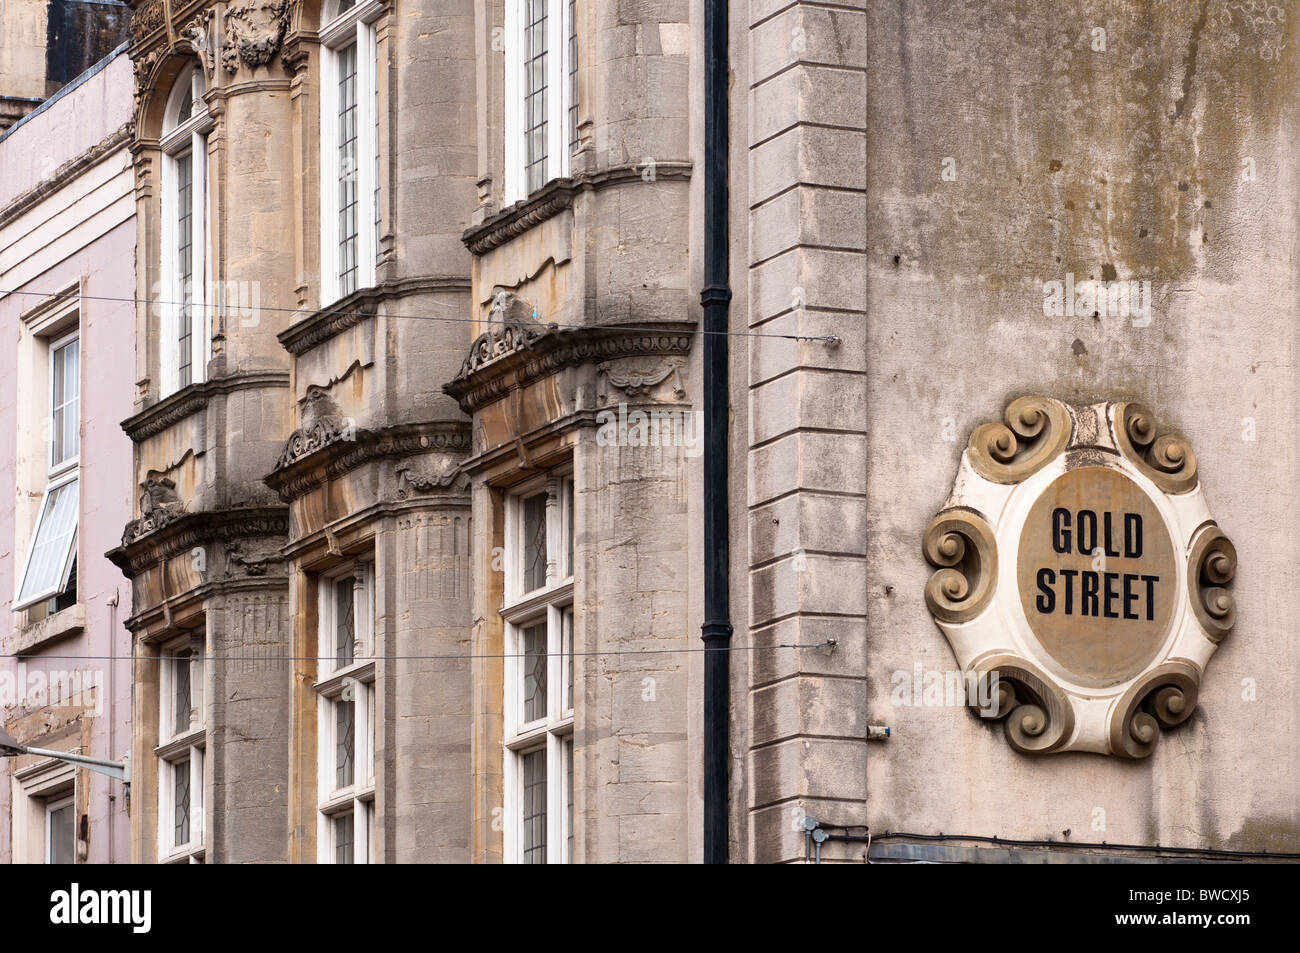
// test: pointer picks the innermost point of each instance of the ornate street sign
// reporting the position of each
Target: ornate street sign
(1078, 561)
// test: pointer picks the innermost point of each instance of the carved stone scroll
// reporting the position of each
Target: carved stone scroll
(961, 544)
(1166, 459)
(1163, 698)
(1037, 429)
(1210, 569)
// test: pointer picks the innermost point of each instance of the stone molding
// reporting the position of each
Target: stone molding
(65, 173)
(556, 196)
(317, 328)
(190, 400)
(328, 448)
(184, 531)
(515, 354)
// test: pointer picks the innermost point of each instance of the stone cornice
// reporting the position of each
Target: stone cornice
(65, 174)
(317, 328)
(555, 197)
(511, 357)
(325, 451)
(185, 531)
(190, 400)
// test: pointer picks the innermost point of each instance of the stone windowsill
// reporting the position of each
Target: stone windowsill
(37, 635)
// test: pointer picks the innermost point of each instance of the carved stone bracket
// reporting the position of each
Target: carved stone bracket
(1167, 460)
(961, 543)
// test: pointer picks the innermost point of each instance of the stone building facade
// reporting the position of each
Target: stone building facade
(67, 230)
(415, 562)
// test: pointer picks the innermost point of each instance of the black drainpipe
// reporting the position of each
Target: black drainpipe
(715, 298)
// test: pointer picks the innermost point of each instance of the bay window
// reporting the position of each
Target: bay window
(349, 124)
(186, 322)
(538, 703)
(345, 780)
(541, 113)
(180, 751)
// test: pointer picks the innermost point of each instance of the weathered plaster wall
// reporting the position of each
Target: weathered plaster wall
(1166, 156)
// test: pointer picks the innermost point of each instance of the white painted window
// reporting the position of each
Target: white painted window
(539, 696)
(349, 144)
(186, 319)
(52, 552)
(345, 732)
(541, 109)
(180, 751)
(60, 830)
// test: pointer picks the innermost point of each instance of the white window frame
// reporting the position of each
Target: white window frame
(356, 24)
(53, 804)
(551, 605)
(61, 473)
(559, 157)
(175, 747)
(334, 684)
(179, 140)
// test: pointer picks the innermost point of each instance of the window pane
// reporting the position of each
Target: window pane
(65, 386)
(345, 630)
(183, 699)
(344, 742)
(535, 672)
(181, 802)
(573, 75)
(347, 168)
(535, 94)
(55, 533)
(534, 542)
(68, 597)
(568, 527)
(568, 791)
(185, 267)
(375, 85)
(344, 834)
(60, 821)
(534, 815)
(566, 646)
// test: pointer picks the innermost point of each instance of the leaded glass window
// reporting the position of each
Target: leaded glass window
(534, 822)
(181, 802)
